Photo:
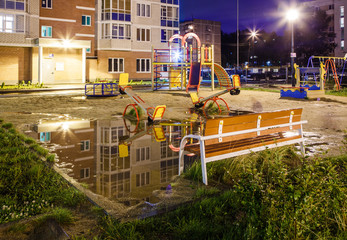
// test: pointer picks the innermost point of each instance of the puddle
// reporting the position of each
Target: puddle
(129, 166)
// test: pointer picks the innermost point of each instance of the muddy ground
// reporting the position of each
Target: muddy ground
(327, 117)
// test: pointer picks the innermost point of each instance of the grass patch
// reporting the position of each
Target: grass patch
(274, 194)
(61, 215)
(341, 93)
(21, 85)
(261, 89)
(28, 186)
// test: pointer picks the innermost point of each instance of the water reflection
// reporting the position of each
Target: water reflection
(117, 159)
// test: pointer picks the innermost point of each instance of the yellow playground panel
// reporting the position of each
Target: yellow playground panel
(175, 78)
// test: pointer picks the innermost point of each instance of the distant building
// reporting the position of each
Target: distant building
(209, 33)
(62, 41)
(335, 9)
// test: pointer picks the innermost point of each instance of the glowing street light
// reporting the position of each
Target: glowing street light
(291, 16)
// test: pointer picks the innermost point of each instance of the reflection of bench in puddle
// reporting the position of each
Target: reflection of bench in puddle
(233, 136)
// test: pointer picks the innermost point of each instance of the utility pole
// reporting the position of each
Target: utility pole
(238, 37)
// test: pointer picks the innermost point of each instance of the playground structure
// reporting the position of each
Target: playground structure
(173, 65)
(335, 65)
(311, 80)
(154, 113)
(101, 90)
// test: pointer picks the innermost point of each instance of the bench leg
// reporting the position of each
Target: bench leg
(203, 163)
(181, 156)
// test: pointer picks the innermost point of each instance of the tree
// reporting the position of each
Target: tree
(314, 38)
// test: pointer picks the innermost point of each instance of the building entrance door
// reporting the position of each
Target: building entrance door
(48, 71)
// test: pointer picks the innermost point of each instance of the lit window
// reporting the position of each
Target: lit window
(86, 20)
(46, 3)
(143, 65)
(85, 145)
(342, 11)
(45, 136)
(342, 44)
(116, 65)
(46, 31)
(342, 22)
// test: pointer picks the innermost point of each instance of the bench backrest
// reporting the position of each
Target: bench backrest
(251, 121)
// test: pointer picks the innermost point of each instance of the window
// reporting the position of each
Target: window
(143, 35)
(116, 10)
(88, 50)
(143, 65)
(143, 10)
(142, 179)
(331, 6)
(166, 34)
(45, 136)
(342, 44)
(12, 4)
(86, 20)
(142, 154)
(46, 31)
(11, 23)
(84, 173)
(170, 1)
(342, 11)
(169, 16)
(115, 31)
(168, 169)
(116, 65)
(85, 145)
(342, 33)
(342, 22)
(46, 3)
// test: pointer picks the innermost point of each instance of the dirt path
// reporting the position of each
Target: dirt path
(327, 118)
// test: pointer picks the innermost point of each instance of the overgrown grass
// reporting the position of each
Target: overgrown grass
(60, 215)
(21, 85)
(274, 194)
(342, 92)
(27, 185)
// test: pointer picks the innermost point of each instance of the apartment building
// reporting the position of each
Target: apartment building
(209, 33)
(335, 9)
(45, 41)
(61, 41)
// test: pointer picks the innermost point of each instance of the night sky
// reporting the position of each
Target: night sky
(253, 14)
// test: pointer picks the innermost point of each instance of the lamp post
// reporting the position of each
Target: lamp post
(292, 15)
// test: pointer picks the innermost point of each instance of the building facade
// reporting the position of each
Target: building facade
(209, 33)
(61, 41)
(335, 9)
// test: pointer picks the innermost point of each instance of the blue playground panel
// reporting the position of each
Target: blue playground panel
(101, 90)
(294, 94)
(314, 87)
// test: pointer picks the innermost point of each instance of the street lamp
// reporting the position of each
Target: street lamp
(252, 35)
(292, 15)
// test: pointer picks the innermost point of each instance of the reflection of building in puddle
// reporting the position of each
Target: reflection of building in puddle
(148, 165)
(91, 152)
(72, 140)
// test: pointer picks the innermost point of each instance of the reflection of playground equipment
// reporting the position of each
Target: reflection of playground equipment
(233, 136)
(153, 113)
(101, 90)
(170, 66)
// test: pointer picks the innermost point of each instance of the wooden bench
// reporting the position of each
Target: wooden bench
(233, 136)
